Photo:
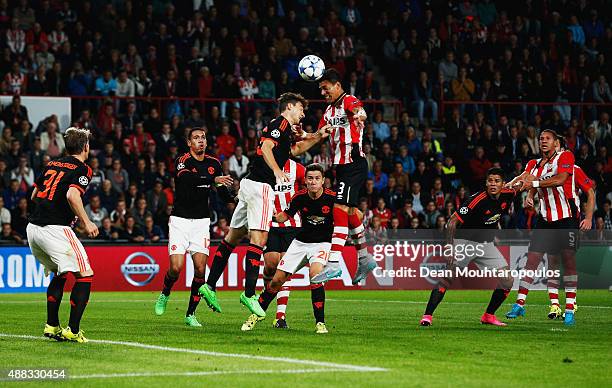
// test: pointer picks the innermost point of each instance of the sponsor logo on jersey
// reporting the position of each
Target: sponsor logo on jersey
(337, 121)
(493, 219)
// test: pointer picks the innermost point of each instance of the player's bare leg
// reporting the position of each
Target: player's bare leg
(199, 269)
(224, 250)
(252, 263)
(497, 298)
(518, 309)
(177, 262)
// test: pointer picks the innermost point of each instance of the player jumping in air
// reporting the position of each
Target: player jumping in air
(476, 217)
(346, 116)
(557, 226)
(189, 224)
(57, 198)
(256, 198)
(282, 234)
(311, 246)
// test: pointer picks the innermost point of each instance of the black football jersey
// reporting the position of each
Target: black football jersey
(482, 211)
(279, 131)
(193, 181)
(50, 203)
(317, 215)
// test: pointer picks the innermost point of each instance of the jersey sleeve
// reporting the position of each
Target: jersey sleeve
(39, 181)
(276, 132)
(530, 165)
(181, 167)
(469, 207)
(352, 102)
(583, 182)
(80, 178)
(294, 205)
(321, 122)
(300, 174)
(566, 163)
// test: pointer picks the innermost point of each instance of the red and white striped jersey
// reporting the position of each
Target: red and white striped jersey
(284, 192)
(554, 201)
(345, 130)
(581, 183)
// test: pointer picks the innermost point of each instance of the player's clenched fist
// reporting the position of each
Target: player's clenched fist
(281, 177)
(90, 229)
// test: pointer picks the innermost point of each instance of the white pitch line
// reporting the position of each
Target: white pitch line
(327, 299)
(203, 373)
(346, 367)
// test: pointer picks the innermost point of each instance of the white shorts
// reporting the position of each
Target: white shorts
(57, 248)
(255, 206)
(188, 235)
(492, 257)
(300, 253)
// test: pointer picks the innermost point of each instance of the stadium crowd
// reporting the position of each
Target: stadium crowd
(422, 167)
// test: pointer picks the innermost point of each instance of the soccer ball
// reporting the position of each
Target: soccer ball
(311, 68)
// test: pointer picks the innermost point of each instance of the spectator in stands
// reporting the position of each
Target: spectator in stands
(152, 232)
(131, 231)
(423, 98)
(19, 218)
(226, 142)
(118, 176)
(9, 235)
(238, 163)
(95, 211)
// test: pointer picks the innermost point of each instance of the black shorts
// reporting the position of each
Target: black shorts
(350, 179)
(279, 239)
(553, 237)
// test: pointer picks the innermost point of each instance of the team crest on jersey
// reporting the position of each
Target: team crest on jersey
(211, 170)
(325, 209)
(275, 133)
(463, 210)
(180, 166)
(173, 247)
(83, 180)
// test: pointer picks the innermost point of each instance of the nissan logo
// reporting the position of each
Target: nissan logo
(130, 270)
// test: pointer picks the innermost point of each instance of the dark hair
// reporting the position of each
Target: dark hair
(496, 171)
(76, 139)
(331, 75)
(291, 98)
(194, 129)
(551, 131)
(315, 167)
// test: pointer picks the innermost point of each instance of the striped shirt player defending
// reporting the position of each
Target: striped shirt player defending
(279, 140)
(582, 184)
(551, 177)
(57, 199)
(189, 225)
(281, 234)
(346, 116)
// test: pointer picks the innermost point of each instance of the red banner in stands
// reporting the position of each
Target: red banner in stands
(142, 268)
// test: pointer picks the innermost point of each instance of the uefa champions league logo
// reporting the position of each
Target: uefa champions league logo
(133, 271)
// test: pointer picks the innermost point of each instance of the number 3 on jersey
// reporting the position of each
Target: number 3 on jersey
(50, 184)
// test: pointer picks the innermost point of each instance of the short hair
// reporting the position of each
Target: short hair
(552, 132)
(331, 75)
(496, 171)
(315, 167)
(291, 98)
(76, 139)
(194, 129)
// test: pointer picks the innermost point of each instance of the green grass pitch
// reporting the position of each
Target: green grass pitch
(374, 340)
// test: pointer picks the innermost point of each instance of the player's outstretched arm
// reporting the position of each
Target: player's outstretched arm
(304, 145)
(76, 204)
(557, 180)
(515, 181)
(587, 223)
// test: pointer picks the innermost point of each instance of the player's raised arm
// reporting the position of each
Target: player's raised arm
(304, 145)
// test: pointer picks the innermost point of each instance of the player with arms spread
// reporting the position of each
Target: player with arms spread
(311, 246)
(256, 198)
(346, 116)
(479, 214)
(57, 199)
(557, 226)
(189, 224)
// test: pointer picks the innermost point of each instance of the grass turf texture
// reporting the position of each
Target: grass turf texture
(367, 328)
